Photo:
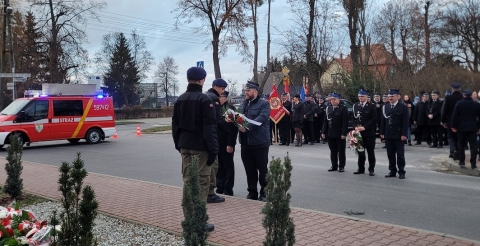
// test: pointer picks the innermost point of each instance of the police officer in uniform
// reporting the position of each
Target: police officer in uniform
(447, 113)
(335, 128)
(284, 123)
(466, 123)
(395, 130)
(226, 143)
(434, 120)
(365, 115)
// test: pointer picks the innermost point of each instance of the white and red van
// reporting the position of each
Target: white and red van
(59, 116)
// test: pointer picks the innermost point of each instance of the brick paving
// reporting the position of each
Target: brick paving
(237, 221)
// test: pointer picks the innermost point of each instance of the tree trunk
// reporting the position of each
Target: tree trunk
(53, 46)
(216, 58)
(427, 34)
(255, 54)
(268, 67)
(308, 54)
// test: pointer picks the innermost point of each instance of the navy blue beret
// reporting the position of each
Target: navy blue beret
(196, 73)
(220, 83)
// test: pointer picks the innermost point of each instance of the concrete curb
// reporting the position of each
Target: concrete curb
(467, 170)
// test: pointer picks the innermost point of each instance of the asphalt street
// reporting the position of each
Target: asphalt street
(428, 198)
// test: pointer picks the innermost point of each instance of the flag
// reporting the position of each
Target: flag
(277, 111)
(307, 92)
(302, 94)
(286, 81)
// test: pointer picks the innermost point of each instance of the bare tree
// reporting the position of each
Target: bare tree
(232, 87)
(225, 17)
(166, 76)
(353, 9)
(268, 67)
(63, 29)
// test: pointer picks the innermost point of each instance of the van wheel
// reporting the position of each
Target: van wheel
(93, 136)
(21, 138)
(73, 140)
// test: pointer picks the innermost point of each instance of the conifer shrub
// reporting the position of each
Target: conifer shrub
(194, 208)
(277, 222)
(14, 184)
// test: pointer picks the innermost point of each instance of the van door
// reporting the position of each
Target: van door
(33, 119)
(67, 113)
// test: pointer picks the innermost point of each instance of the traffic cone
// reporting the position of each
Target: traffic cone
(139, 132)
(115, 136)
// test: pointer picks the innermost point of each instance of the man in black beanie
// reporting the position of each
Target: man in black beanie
(194, 130)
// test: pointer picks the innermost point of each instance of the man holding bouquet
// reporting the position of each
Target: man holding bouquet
(365, 115)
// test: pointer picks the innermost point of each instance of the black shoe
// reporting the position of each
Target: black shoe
(332, 169)
(418, 143)
(341, 170)
(215, 199)
(317, 141)
(305, 142)
(433, 146)
(391, 175)
(455, 156)
(462, 164)
(384, 147)
(312, 143)
(282, 144)
(371, 173)
(473, 167)
(409, 144)
(451, 155)
(401, 176)
(287, 144)
(209, 227)
(359, 172)
(262, 199)
(252, 197)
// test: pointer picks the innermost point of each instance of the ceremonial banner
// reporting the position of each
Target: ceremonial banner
(277, 111)
(302, 94)
(286, 82)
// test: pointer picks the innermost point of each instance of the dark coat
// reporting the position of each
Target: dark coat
(310, 108)
(396, 124)
(288, 106)
(449, 106)
(378, 108)
(320, 111)
(434, 108)
(366, 117)
(259, 111)
(420, 114)
(466, 115)
(194, 124)
(335, 124)
(298, 111)
(221, 123)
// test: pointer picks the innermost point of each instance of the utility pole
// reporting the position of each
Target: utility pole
(4, 41)
(166, 88)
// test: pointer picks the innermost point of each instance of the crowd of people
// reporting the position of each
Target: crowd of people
(200, 130)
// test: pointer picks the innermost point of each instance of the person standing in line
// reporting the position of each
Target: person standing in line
(194, 130)
(255, 141)
(406, 100)
(218, 87)
(377, 101)
(394, 130)
(385, 102)
(365, 115)
(226, 143)
(446, 118)
(318, 119)
(466, 123)
(335, 128)
(298, 111)
(434, 120)
(310, 108)
(420, 119)
(285, 122)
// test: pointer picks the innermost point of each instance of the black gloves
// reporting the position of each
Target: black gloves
(211, 159)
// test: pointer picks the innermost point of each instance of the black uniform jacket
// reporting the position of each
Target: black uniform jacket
(194, 124)
(335, 124)
(298, 111)
(466, 115)
(395, 121)
(310, 108)
(420, 114)
(366, 117)
(449, 106)
(435, 108)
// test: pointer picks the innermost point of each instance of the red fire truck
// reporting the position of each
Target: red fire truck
(60, 112)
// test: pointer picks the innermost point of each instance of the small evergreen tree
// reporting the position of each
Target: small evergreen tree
(277, 221)
(14, 184)
(194, 208)
(78, 217)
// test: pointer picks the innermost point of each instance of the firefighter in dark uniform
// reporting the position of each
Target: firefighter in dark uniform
(365, 114)
(284, 123)
(308, 128)
(218, 87)
(447, 113)
(318, 118)
(377, 101)
(466, 123)
(385, 102)
(394, 130)
(434, 111)
(420, 119)
(226, 144)
(335, 128)
(194, 130)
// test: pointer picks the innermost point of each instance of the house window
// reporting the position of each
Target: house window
(336, 78)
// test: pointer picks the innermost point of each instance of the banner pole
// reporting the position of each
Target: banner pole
(275, 135)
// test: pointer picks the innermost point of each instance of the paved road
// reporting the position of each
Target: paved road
(426, 199)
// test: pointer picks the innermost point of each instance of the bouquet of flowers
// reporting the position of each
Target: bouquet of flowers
(237, 118)
(356, 141)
